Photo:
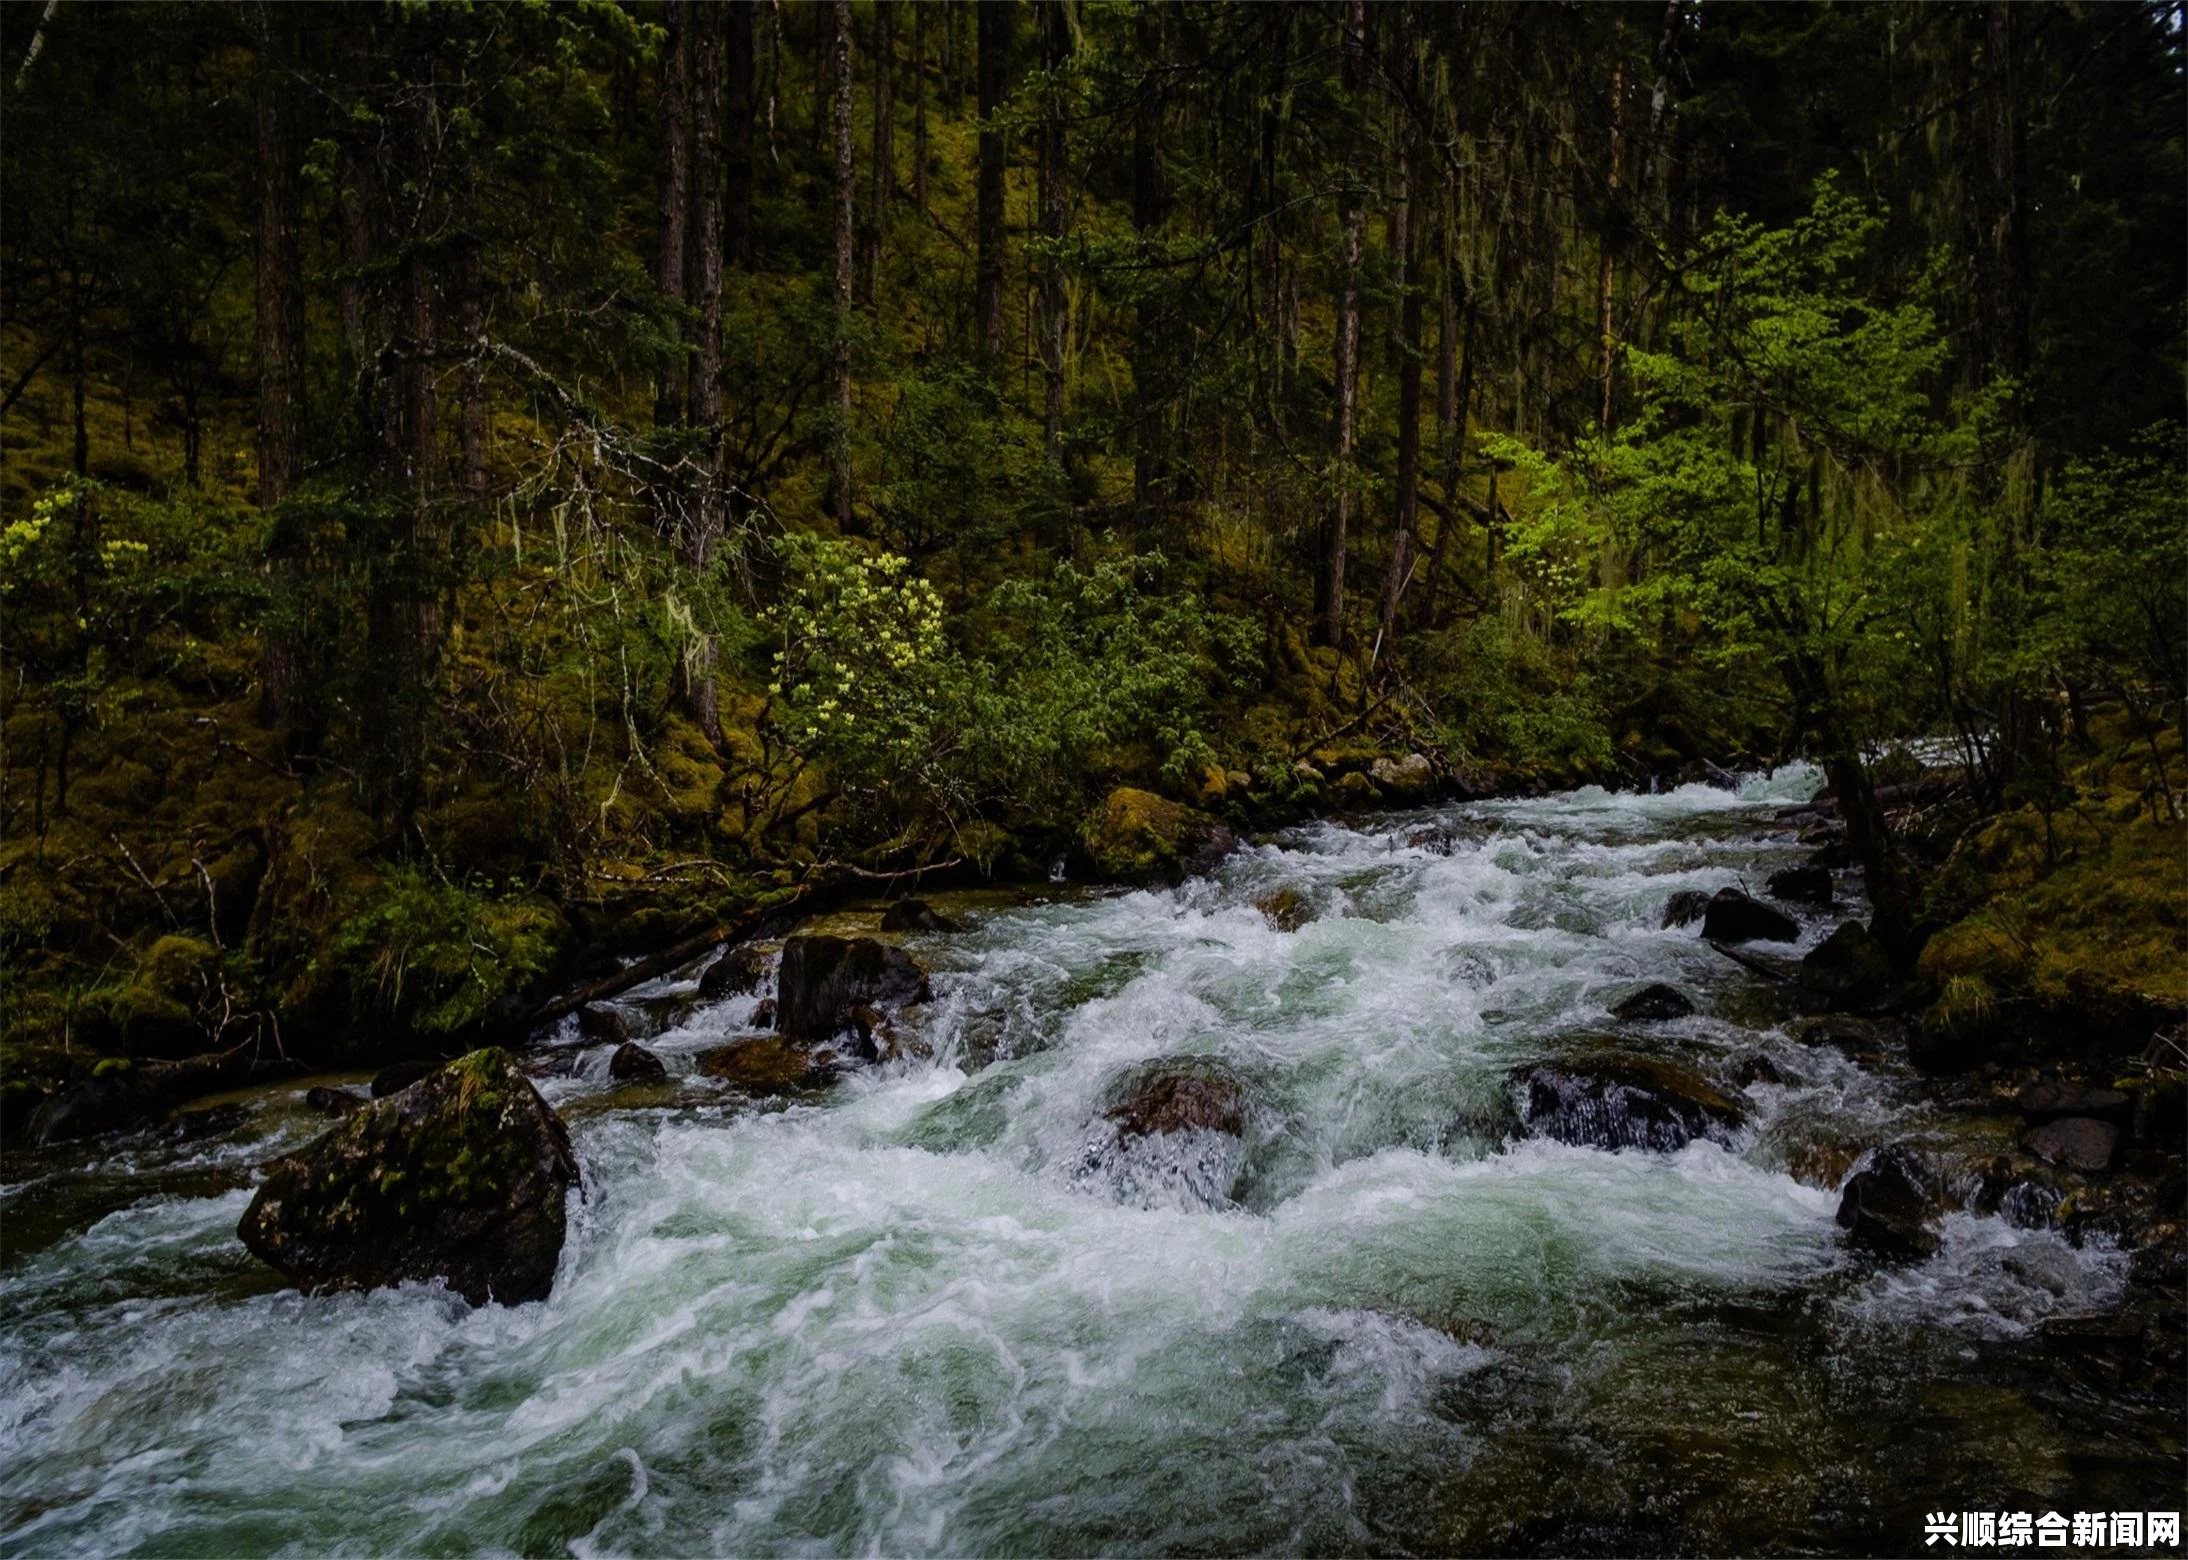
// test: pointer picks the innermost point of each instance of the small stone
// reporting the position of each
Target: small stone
(1286, 908)
(2076, 1143)
(633, 1063)
(916, 915)
(1886, 1205)
(1753, 1068)
(1800, 885)
(332, 1102)
(1733, 916)
(1653, 1005)
(736, 973)
(763, 1016)
(773, 1066)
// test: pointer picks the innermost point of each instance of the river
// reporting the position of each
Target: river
(930, 1312)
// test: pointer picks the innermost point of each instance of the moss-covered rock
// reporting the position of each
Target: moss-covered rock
(769, 1067)
(1135, 836)
(461, 1177)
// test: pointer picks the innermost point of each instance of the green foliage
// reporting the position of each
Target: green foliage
(435, 956)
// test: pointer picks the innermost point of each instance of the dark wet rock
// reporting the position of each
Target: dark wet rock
(1752, 1068)
(1800, 885)
(1857, 1036)
(737, 973)
(763, 1016)
(633, 1063)
(2051, 1100)
(550, 1064)
(602, 1025)
(2076, 1143)
(1286, 908)
(824, 978)
(400, 1076)
(332, 1102)
(2026, 1199)
(1849, 968)
(1179, 1098)
(1733, 916)
(1653, 1005)
(1887, 1205)
(1624, 1101)
(129, 1096)
(916, 915)
(1172, 1133)
(768, 1067)
(1685, 907)
(461, 1177)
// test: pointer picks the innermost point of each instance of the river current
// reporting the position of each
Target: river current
(928, 1311)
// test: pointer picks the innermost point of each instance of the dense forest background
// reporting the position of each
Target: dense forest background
(492, 487)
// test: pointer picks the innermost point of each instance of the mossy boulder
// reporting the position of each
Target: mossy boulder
(461, 1177)
(1135, 836)
(770, 1067)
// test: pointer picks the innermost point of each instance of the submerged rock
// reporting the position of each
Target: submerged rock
(332, 1102)
(1751, 1068)
(823, 979)
(1801, 885)
(1733, 916)
(740, 971)
(1653, 1005)
(1172, 1134)
(916, 915)
(769, 1067)
(2076, 1143)
(1285, 908)
(1886, 1205)
(633, 1063)
(1624, 1101)
(460, 1177)
(1685, 907)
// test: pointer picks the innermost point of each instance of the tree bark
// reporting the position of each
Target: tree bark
(881, 176)
(839, 456)
(995, 18)
(1614, 179)
(668, 408)
(1351, 216)
(1055, 53)
(1150, 209)
(739, 59)
(919, 105)
(704, 263)
(1407, 517)
(280, 271)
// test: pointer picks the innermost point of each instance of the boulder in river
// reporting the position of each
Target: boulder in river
(741, 970)
(2075, 1143)
(602, 1025)
(770, 1066)
(1172, 1134)
(1286, 908)
(1411, 777)
(1653, 1005)
(2052, 1100)
(916, 915)
(1734, 916)
(461, 1177)
(1849, 968)
(824, 979)
(1136, 836)
(1685, 907)
(1617, 1101)
(633, 1063)
(1887, 1204)
(1801, 885)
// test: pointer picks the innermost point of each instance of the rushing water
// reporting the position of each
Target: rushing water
(930, 1311)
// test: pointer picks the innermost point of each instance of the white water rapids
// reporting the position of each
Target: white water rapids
(925, 1313)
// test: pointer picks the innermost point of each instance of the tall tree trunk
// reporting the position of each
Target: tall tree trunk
(1452, 403)
(1407, 518)
(280, 270)
(1150, 209)
(739, 61)
(1055, 52)
(668, 407)
(919, 105)
(1614, 179)
(882, 176)
(839, 455)
(995, 19)
(1351, 217)
(704, 262)
(471, 323)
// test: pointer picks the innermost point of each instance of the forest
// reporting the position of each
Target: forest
(500, 498)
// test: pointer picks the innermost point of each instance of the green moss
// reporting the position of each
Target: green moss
(1135, 833)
